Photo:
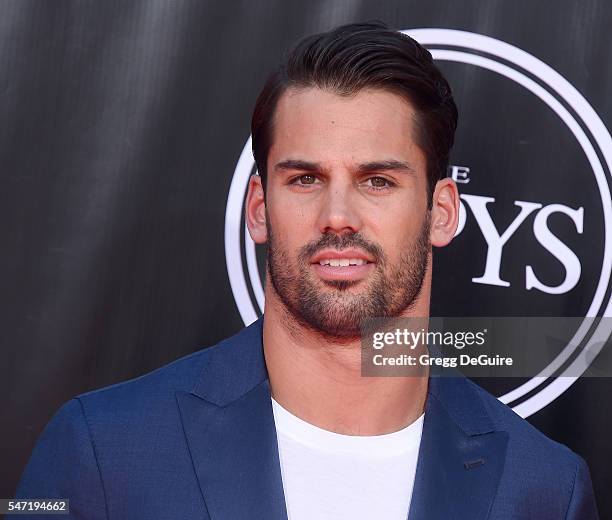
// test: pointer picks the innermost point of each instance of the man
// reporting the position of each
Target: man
(351, 136)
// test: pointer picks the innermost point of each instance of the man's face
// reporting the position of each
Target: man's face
(346, 207)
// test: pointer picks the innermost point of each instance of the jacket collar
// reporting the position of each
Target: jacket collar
(233, 367)
(229, 425)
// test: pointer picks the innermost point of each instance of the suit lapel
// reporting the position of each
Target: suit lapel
(230, 431)
(461, 456)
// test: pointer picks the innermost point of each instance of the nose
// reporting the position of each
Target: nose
(339, 212)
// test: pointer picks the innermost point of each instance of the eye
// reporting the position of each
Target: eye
(304, 180)
(379, 183)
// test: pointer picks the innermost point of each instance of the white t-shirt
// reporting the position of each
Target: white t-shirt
(327, 475)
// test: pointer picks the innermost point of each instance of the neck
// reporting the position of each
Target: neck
(320, 381)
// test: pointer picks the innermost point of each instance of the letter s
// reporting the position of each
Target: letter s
(559, 250)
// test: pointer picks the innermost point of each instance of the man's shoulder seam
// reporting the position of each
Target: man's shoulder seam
(573, 488)
(95, 454)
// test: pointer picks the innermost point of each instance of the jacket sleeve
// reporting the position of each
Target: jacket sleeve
(64, 465)
(582, 504)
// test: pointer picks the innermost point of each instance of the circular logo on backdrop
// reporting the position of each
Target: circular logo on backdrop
(509, 182)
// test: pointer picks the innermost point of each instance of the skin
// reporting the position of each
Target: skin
(345, 172)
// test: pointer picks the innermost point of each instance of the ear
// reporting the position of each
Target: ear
(256, 211)
(444, 212)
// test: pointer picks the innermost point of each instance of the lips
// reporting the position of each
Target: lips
(350, 264)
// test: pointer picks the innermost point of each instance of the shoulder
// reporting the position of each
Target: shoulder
(228, 365)
(131, 406)
(134, 403)
(538, 468)
(523, 436)
(154, 389)
(537, 462)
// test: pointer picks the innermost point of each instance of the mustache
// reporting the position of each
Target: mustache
(344, 241)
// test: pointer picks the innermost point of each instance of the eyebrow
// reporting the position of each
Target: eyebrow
(297, 164)
(388, 165)
(373, 166)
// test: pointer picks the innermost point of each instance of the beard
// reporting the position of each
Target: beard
(338, 313)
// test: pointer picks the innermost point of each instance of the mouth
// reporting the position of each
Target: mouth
(342, 262)
(342, 265)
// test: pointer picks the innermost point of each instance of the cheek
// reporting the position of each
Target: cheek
(395, 230)
(396, 218)
(291, 228)
(291, 220)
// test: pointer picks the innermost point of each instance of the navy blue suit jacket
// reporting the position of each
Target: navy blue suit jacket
(196, 440)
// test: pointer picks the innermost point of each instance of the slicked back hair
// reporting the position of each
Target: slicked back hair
(360, 56)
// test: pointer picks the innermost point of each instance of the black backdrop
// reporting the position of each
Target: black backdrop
(121, 127)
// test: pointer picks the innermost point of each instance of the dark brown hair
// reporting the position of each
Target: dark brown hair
(356, 56)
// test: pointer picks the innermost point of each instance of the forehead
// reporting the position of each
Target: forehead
(323, 125)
